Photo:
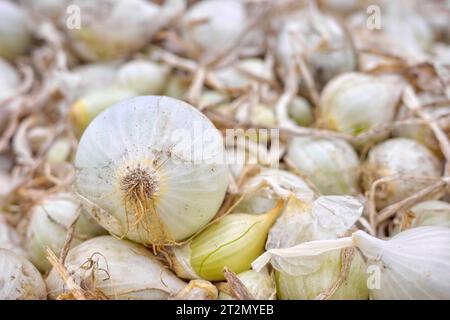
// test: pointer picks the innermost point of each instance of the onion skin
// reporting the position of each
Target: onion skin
(132, 271)
(260, 285)
(431, 213)
(19, 279)
(399, 156)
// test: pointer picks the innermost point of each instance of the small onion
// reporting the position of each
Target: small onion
(143, 77)
(331, 164)
(177, 86)
(59, 151)
(213, 26)
(9, 238)
(19, 279)
(48, 225)
(301, 111)
(15, 33)
(118, 269)
(321, 39)
(233, 241)
(9, 80)
(112, 29)
(399, 156)
(264, 190)
(354, 103)
(85, 109)
(260, 285)
(151, 169)
(414, 264)
(431, 213)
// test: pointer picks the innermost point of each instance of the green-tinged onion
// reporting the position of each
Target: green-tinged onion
(402, 157)
(331, 164)
(301, 111)
(233, 241)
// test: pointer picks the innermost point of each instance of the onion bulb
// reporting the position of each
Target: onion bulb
(85, 109)
(431, 213)
(399, 156)
(118, 269)
(321, 40)
(151, 169)
(19, 279)
(9, 238)
(300, 111)
(213, 26)
(112, 29)
(260, 285)
(233, 241)
(49, 221)
(331, 164)
(262, 191)
(15, 33)
(354, 103)
(414, 264)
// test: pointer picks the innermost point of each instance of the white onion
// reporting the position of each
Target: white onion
(48, 224)
(331, 164)
(321, 40)
(136, 171)
(260, 285)
(9, 238)
(15, 34)
(19, 279)
(300, 111)
(399, 156)
(9, 80)
(213, 26)
(112, 29)
(119, 269)
(431, 213)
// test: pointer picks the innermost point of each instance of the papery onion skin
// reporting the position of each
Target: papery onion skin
(399, 156)
(48, 225)
(122, 269)
(354, 103)
(331, 164)
(15, 34)
(137, 143)
(19, 279)
(308, 287)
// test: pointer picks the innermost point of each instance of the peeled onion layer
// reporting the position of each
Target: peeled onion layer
(119, 269)
(151, 169)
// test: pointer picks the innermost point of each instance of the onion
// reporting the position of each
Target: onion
(118, 269)
(300, 111)
(19, 279)
(9, 238)
(151, 169)
(15, 34)
(9, 80)
(331, 164)
(431, 213)
(48, 225)
(321, 40)
(260, 285)
(112, 29)
(264, 190)
(403, 157)
(354, 103)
